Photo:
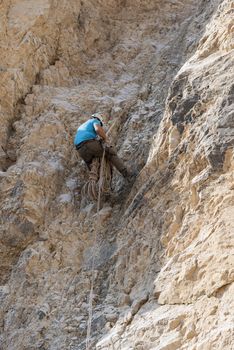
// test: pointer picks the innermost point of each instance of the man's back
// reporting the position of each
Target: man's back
(86, 131)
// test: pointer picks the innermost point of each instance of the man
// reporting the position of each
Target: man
(88, 142)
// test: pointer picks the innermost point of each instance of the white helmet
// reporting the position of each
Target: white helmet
(98, 116)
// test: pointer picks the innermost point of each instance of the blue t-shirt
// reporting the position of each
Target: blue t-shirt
(86, 131)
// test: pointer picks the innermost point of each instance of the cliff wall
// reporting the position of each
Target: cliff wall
(162, 71)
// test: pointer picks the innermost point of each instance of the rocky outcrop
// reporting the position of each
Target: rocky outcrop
(163, 249)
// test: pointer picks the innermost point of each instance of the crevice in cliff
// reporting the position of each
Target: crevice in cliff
(218, 293)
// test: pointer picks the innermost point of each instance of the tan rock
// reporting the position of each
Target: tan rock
(162, 273)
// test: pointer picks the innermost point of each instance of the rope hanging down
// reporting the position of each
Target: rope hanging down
(89, 323)
(100, 188)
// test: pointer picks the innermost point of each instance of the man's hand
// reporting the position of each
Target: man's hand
(100, 131)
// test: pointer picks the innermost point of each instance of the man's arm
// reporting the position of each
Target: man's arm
(100, 131)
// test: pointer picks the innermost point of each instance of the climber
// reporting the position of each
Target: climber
(90, 140)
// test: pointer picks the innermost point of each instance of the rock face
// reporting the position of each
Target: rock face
(163, 249)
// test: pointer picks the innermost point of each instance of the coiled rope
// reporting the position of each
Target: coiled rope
(97, 183)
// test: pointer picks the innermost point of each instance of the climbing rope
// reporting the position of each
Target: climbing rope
(89, 190)
(89, 323)
(105, 176)
(98, 183)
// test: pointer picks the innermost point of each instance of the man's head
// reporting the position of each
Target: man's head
(98, 116)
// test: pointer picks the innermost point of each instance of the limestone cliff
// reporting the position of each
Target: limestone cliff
(164, 254)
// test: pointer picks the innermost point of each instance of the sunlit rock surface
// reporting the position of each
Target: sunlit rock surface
(163, 249)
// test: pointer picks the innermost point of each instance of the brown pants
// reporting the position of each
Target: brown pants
(94, 148)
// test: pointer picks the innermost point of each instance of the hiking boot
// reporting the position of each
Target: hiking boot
(131, 177)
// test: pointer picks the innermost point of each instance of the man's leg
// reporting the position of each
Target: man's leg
(90, 150)
(94, 148)
(116, 161)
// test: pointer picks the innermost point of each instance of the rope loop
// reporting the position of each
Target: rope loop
(99, 179)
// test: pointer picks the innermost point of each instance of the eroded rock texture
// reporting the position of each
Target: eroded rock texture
(162, 71)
